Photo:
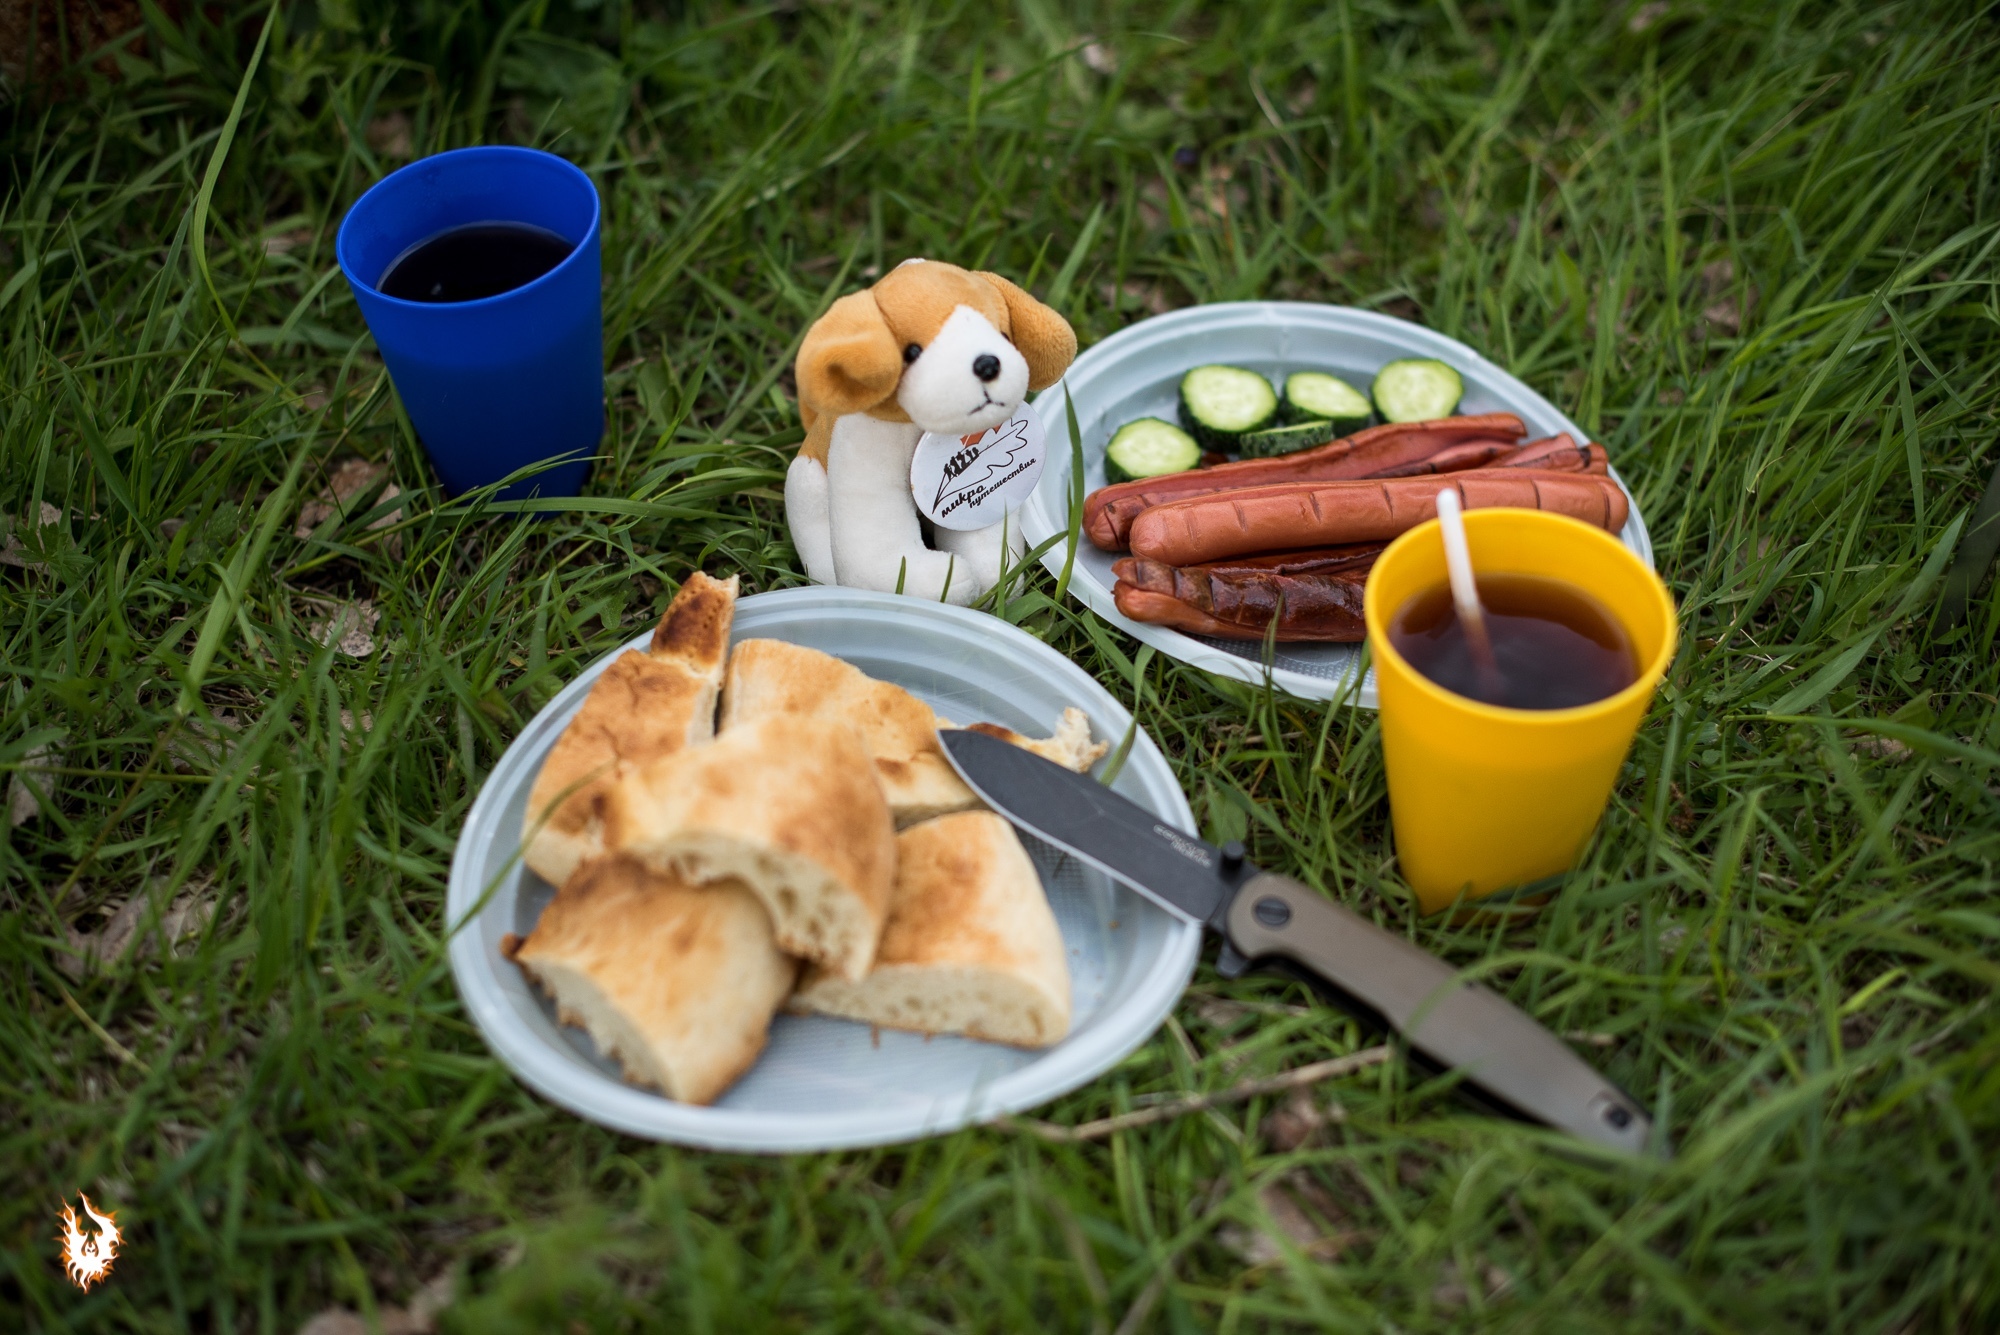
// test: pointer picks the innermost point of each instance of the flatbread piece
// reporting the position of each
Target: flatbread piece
(788, 805)
(971, 946)
(676, 982)
(645, 705)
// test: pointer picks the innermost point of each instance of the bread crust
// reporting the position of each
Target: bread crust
(674, 981)
(771, 677)
(971, 945)
(644, 706)
(1069, 745)
(774, 677)
(788, 804)
(694, 630)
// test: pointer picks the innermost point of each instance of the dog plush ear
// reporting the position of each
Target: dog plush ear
(1043, 337)
(849, 361)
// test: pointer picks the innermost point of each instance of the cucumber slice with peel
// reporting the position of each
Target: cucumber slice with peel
(1276, 440)
(1220, 403)
(1317, 396)
(1417, 389)
(1149, 447)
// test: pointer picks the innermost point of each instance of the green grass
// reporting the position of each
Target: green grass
(1751, 247)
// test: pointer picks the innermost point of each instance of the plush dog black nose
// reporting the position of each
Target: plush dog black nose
(986, 366)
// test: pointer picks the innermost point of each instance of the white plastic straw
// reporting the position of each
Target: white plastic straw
(1464, 591)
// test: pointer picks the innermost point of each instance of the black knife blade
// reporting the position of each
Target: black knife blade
(1504, 1055)
(1120, 838)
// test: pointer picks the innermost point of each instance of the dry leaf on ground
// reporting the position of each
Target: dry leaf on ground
(350, 628)
(1647, 15)
(341, 494)
(284, 243)
(10, 548)
(1882, 748)
(1301, 1212)
(1299, 1120)
(1449, 1293)
(1724, 313)
(419, 1318)
(108, 945)
(1224, 1013)
(341, 1321)
(1221, 1012)
(203, 744)
(36, 776)
(390, 135)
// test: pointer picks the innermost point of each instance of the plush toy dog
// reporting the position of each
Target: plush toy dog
(931, 347)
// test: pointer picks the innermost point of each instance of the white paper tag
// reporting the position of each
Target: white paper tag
(968, 482)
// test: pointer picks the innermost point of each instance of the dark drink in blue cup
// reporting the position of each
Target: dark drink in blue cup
(478, 273)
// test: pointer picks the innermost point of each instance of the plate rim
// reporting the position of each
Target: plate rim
(1045, 514)
(612, 1103)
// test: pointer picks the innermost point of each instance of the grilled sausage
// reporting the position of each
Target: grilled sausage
(1313, 595)
(1324, 514)
(1455, 459)
(1557, 454)
(1551, 454)
(1109, 511)
(1163, 609)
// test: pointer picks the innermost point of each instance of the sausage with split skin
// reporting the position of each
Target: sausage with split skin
(1109, 512)
(1553, 454)
(1454, 459)
(1156, 575)
(1326, 514)
(1558, 454)
(1161, 609)
(1314, 596)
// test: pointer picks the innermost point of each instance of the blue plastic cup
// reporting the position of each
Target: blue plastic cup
(503, 382)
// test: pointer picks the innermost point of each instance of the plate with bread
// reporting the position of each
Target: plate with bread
(725, 889)
(1244, 463)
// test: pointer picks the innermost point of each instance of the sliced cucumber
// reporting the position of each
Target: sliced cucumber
(1276, 440)
(1220, 403)
(1416, 390)
(1315, 395)
(1148, 448)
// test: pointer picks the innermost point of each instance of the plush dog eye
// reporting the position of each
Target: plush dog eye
(911, 353)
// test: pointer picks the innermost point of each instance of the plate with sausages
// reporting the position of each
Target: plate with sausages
(1201, 562)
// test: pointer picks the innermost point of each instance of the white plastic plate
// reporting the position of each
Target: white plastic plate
(1136, 373)
(825, 1083)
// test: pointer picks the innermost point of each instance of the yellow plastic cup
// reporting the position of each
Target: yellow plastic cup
(1484, 798)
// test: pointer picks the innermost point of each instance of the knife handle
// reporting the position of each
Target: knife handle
(1458, 1026)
